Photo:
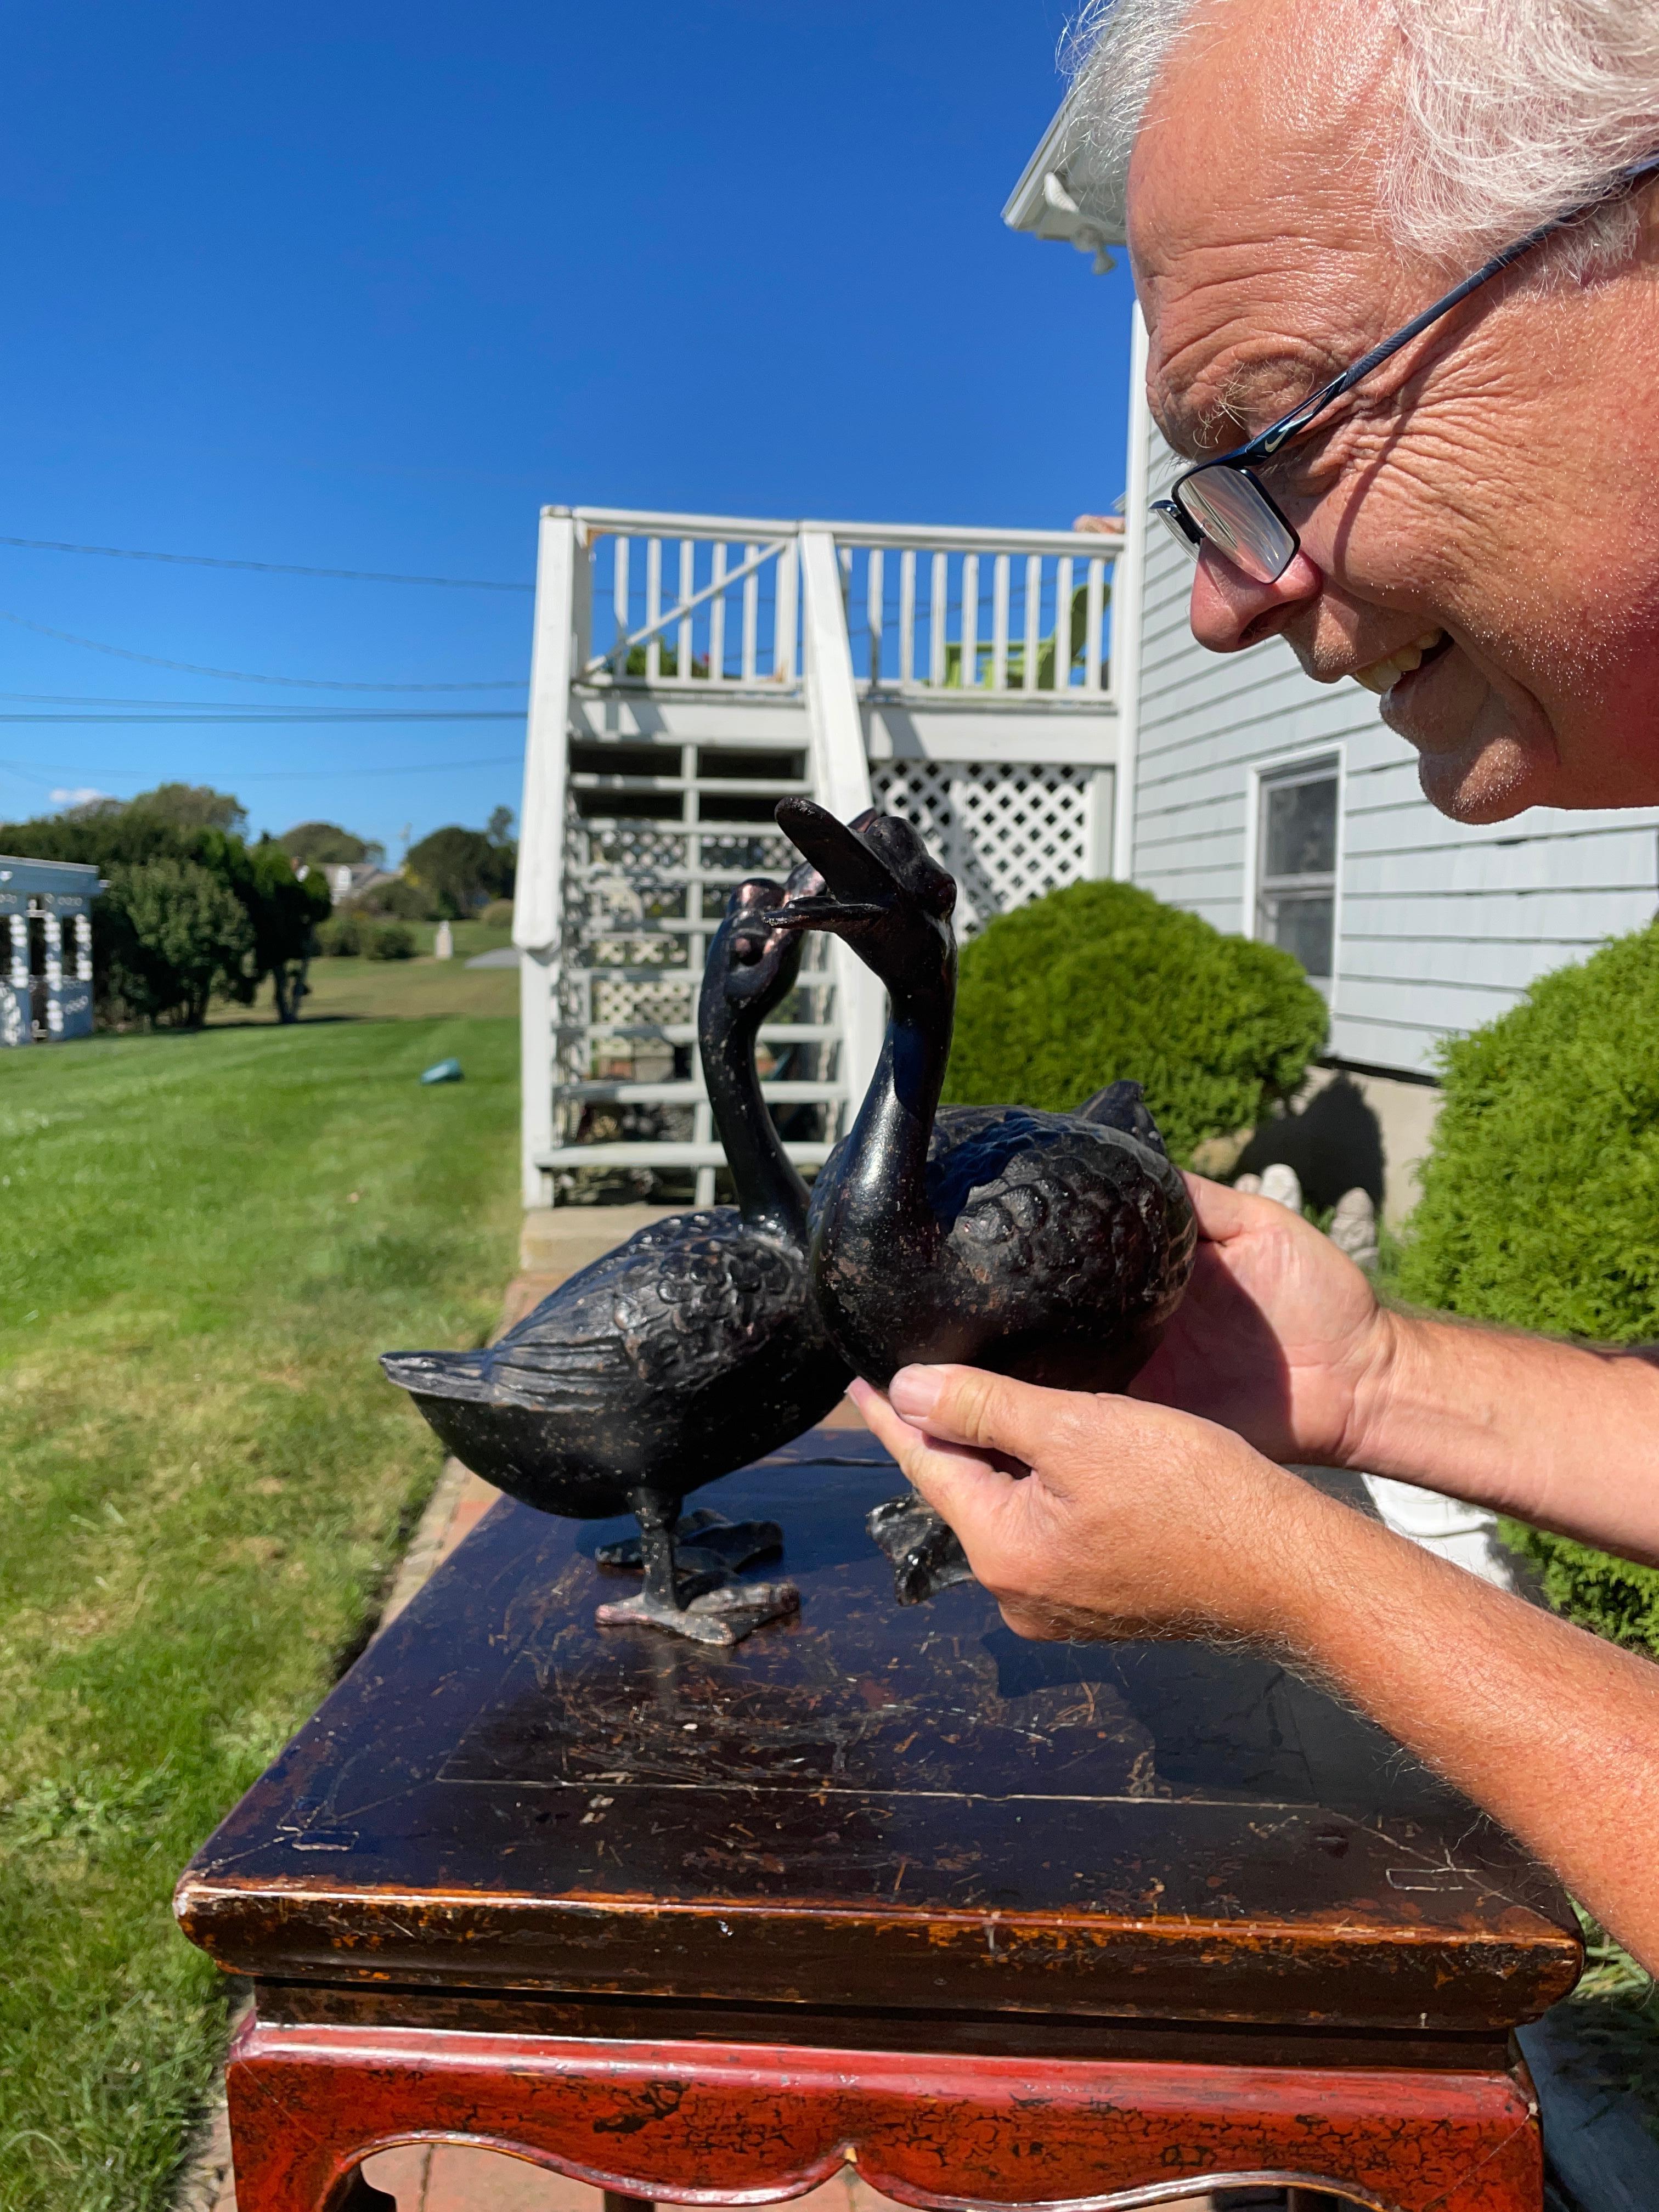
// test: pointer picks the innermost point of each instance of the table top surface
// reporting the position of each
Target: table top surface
(868, 1806)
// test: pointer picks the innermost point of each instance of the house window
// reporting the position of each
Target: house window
(1295, 865)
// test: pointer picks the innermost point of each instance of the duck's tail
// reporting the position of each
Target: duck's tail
(1122, 1105)
(440, 1374)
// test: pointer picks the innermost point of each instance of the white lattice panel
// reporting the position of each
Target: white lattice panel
(766, 853)
(1007, 832)
(628, 849)
(619, 951)
(619, 1004)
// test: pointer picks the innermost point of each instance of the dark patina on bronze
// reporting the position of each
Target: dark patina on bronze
(1054, 1246)
(692, 1349)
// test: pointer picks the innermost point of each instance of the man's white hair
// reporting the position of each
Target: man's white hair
(1513, 111)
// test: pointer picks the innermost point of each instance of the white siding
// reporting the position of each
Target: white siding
(1439, 927)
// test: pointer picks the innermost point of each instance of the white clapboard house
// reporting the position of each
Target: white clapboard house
(1284, 809)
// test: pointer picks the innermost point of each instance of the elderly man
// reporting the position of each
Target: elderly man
(1466, 523)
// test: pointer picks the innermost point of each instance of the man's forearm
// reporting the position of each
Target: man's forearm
(1560, 1435)
(1554, 1732)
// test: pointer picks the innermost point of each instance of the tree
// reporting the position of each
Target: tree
(464, 869)
(325, 844)
(281, 913)
(176, 932)
(192, 807)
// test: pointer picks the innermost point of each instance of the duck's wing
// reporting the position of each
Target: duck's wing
(713, 1292)
(1012, 1177)
(666, 1311)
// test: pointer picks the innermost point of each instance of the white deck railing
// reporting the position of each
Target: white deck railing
(695, 601)
(935, 610)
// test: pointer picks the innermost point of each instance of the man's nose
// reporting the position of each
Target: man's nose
(1229, 610)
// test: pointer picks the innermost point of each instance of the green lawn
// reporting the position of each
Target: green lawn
(470, 936)
(203, 1242)
(359, 989)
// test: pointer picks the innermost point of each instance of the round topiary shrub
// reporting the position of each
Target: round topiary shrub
(1102, 980)
(341, 936)
(388, 940)
(1540, 1206)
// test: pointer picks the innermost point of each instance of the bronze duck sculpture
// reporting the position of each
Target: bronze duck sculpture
(688, 1352)
(1055, 1247)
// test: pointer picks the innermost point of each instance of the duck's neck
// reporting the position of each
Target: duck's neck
(886, 1182)
(771, 1195)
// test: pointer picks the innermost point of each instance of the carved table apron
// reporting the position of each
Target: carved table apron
(1002, 1923)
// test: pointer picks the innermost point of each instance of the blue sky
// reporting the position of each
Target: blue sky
(363, 286)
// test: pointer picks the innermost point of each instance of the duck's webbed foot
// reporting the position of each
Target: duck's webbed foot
(723, 1615)
(926, 1555)
(694, 1592)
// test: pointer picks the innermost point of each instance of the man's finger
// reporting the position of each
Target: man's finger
(992, 1413)
(1223, 1212)
(958, 1484)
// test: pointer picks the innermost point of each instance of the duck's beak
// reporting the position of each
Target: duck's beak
(845, 917)
(853, 874)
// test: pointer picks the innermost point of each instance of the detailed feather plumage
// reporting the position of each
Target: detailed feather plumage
(689, 1349)
(691, 1339)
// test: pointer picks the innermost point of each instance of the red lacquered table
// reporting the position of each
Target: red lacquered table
(1002, 1923)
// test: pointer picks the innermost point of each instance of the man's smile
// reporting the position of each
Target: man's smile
(1380, 675)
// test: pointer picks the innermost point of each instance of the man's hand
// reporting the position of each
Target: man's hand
(1096, 1517)
(1280, 1336)
(1105, 1517)
(1282, 1339)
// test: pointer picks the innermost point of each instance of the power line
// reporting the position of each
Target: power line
(257, 710)
(36, 771)
(414, 768)
(265, 568)
(243, 676)
(256, 719)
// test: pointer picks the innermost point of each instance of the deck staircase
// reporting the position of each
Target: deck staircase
(687, 671)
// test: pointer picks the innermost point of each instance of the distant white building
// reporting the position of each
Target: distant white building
(1283, 809)
(46, 950)
(348, 880)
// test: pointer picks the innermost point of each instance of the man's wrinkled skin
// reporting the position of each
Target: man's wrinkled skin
(1496, 483)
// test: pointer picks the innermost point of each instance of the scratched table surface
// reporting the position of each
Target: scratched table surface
(867, 1809)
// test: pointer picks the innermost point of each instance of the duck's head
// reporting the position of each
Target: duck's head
(881, 891)
(753, 960)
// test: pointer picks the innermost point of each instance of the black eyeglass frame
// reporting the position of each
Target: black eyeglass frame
(1193, 536)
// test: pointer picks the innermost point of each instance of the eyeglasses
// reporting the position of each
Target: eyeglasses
(1224, 503)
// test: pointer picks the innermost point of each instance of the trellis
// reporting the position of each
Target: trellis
(1007, 832)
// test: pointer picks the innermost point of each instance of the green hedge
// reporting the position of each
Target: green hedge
(347, 935)
(1540, 1207)
(1100, 980)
